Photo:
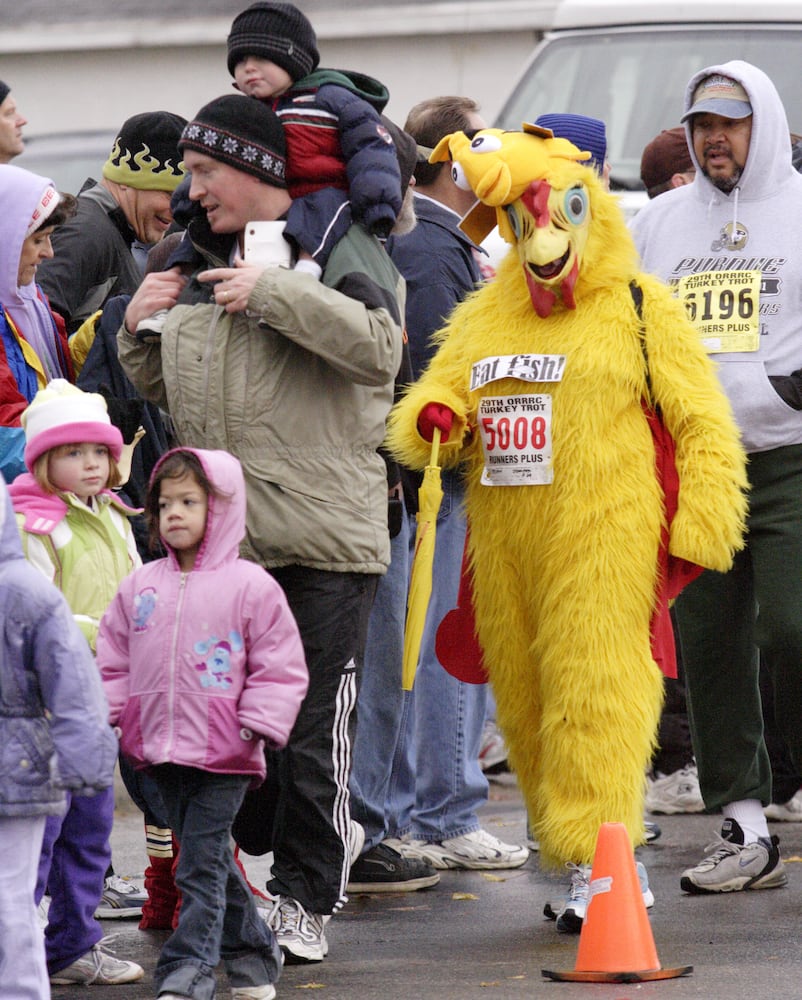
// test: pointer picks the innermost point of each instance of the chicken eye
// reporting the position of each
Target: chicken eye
(515, 222)
(485, 144)
(576, 205)
(459, 178)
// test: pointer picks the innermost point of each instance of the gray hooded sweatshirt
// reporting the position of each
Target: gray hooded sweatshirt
(757, 227)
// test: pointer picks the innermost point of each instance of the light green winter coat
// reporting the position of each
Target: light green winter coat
(85, 552)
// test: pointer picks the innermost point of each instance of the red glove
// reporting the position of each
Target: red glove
(435, 415)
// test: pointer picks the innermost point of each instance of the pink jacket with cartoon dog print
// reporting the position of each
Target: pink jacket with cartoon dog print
(200, 668)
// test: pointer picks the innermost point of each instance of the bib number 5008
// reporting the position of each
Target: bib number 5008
(503, 433)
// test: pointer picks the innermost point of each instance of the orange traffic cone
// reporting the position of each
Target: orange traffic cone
(616, 943)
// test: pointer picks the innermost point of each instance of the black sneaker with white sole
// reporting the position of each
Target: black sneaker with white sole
(382, 869)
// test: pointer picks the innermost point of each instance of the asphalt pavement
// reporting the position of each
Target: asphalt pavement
(482, 935)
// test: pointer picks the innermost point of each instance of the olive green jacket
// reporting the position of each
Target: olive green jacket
(298, 388)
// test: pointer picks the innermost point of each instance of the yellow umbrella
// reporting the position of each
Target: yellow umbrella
(430, 496)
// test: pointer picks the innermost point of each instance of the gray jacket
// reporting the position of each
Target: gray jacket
(93, 259)
(54, 731)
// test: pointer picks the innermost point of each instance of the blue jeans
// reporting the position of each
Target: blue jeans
(380, 703)
(218, 918)
(416, 766)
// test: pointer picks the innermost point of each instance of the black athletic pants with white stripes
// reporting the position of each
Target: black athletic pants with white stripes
(308, 780)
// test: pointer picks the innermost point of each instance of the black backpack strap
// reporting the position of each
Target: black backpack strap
(637, 301)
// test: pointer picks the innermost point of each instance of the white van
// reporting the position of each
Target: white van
(628, 62)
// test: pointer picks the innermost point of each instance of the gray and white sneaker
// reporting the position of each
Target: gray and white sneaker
(785, 812)
(677, 792)
(121, 898)
(98, 967)
(478, 850)
(575, 905)
(266, 992)
(572, 913)
(356, 840)
(300, 935)
(149, 329)
(732, 866)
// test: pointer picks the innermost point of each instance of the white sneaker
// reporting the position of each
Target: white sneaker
(572, 913)
(476, 850)
(643, 879)
(396, 843)
(492, 749)
(356, 840)
(300, 935)
(575, 905)
(266, 992)
(149, 329)
(786, 812)
(98, 967)
(677, 792)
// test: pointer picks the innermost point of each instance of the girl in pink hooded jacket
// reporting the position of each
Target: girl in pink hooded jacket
(202, 663)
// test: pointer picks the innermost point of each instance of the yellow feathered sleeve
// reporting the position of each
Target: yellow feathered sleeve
(709, 523)
(446, 382)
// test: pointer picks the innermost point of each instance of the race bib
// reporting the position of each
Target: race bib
(517, 438)
(723, 306)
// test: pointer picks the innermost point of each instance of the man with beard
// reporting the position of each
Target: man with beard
(729, 242)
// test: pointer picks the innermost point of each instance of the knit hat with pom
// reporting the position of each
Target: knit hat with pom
(275, 31)
(61, 414)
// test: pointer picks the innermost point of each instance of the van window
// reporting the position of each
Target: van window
(69, 158)
(634, 79)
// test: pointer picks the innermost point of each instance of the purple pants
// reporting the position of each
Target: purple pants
(72, 868)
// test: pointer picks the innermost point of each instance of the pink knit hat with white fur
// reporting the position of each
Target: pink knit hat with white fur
(62, 413)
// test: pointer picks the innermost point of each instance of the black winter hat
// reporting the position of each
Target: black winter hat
(275, 31)
(242, 132)
(5, 90)
(145, 153)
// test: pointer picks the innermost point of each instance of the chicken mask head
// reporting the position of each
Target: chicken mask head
(537, 190)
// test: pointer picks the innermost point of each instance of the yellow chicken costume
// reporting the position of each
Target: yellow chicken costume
(544, 371)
